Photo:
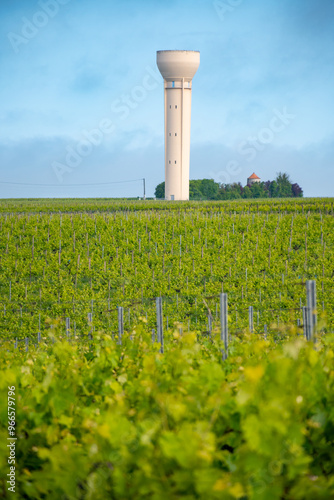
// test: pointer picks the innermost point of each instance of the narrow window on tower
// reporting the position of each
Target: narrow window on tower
(175, 133)
(170, 133)
(175, 106)
(169, 162)
(175, 162)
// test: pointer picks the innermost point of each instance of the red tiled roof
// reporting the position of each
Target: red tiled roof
(253, 176)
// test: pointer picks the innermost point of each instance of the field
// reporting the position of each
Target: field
(99, 416)
(71, 263)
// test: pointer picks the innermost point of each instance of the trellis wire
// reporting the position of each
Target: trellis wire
(309, 319)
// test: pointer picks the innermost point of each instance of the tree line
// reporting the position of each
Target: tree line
(208, 189)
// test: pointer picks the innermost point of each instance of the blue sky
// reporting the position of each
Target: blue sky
(82, 99)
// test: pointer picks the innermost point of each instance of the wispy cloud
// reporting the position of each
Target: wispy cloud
(90, 55)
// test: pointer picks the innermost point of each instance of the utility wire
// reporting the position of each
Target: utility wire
(69, 185)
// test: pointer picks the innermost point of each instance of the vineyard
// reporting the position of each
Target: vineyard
(71, 264)
(104, 417)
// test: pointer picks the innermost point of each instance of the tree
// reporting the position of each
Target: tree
(273, 189)
(209, 189)
(284, 189)
(204, 189)
(297, 190)
(247, 192)
(160, 191)
(266, 187)
(194, 190)
(258, 191)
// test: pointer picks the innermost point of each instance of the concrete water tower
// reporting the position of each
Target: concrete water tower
(177, 68)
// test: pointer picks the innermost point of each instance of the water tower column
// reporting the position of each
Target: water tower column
(173, 140)
(186, 121)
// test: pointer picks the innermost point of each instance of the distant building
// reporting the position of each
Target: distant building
(252, 179)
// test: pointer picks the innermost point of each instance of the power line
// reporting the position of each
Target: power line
(68, 185)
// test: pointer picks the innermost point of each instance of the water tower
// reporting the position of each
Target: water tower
(178, 68)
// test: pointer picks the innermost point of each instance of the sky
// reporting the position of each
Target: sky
(82, 111)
